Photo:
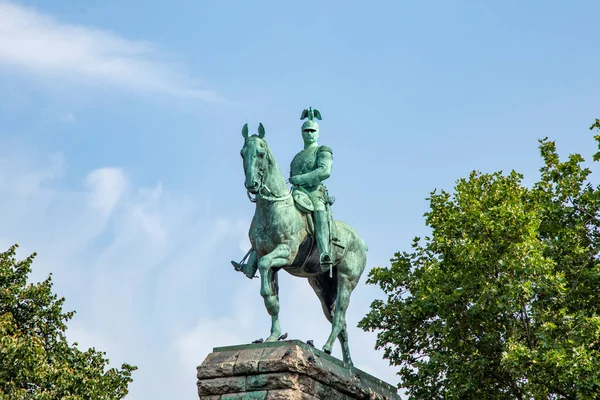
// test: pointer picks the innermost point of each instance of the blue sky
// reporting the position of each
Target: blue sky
(120, 136)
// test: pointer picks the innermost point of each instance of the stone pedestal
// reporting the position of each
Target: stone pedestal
(284, 370)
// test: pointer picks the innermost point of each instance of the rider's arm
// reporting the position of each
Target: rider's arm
(323, 170)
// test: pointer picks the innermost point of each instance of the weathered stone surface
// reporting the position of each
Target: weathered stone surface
(233, 384)
(307, 384)
(218, 364)
(289, 394)
(211, 397)
(322, 391)
(281, 380)
(247, 361)
(276, 359)
(289, 368)
(262, 395)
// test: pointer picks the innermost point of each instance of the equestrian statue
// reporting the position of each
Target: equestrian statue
(293, 229)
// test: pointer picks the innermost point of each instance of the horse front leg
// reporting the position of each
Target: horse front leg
(279, 257)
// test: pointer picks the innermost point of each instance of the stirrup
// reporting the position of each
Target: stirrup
(325, 261)
(237, 266)
(240, 265)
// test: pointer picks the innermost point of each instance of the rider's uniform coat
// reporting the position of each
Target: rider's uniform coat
(315, 164)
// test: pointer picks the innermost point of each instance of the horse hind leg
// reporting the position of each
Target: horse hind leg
(348, 274)
(326, 290)
(338, 324)
(343, 338)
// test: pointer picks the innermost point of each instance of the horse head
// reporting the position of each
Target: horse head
(257, 159)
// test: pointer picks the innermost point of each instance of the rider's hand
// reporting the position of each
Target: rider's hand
(296, 180)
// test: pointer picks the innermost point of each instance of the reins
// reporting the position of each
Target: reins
(273, 197)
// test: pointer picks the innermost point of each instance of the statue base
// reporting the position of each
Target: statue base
(284, 370)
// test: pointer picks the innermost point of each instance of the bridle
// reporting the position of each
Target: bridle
(272, 199)
(261, 185)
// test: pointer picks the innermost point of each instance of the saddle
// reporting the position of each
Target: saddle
(308, 254)
(303, 203)
(305, 206)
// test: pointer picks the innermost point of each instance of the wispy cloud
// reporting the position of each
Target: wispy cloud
(107, 184)
(133, 261)
(38, 43)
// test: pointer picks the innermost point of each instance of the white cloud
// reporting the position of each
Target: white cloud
(197, 343)
(134, 262)
(106, 185)
(32, 41)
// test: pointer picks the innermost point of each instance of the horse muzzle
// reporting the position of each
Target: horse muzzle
(252, 188)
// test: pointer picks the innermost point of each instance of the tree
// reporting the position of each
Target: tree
(502, 300)
(36, 361)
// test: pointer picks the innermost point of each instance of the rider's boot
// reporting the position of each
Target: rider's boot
(249, 268)
(322, 231)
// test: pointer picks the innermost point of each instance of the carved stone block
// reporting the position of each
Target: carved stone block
(284, 370)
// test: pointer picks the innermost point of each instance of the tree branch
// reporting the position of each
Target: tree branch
(526, 326)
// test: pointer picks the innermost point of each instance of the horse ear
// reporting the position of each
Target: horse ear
(261, 130)
(245, 131)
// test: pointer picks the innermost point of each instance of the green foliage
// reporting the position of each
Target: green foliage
(503, 300)
(36, 361)
(596, 125)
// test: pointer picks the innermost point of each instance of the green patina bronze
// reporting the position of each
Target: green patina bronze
(285, 222)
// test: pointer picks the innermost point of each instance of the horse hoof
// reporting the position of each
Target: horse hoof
(327, 351)
(272, 338)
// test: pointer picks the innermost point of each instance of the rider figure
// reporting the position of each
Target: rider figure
(309, 168)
